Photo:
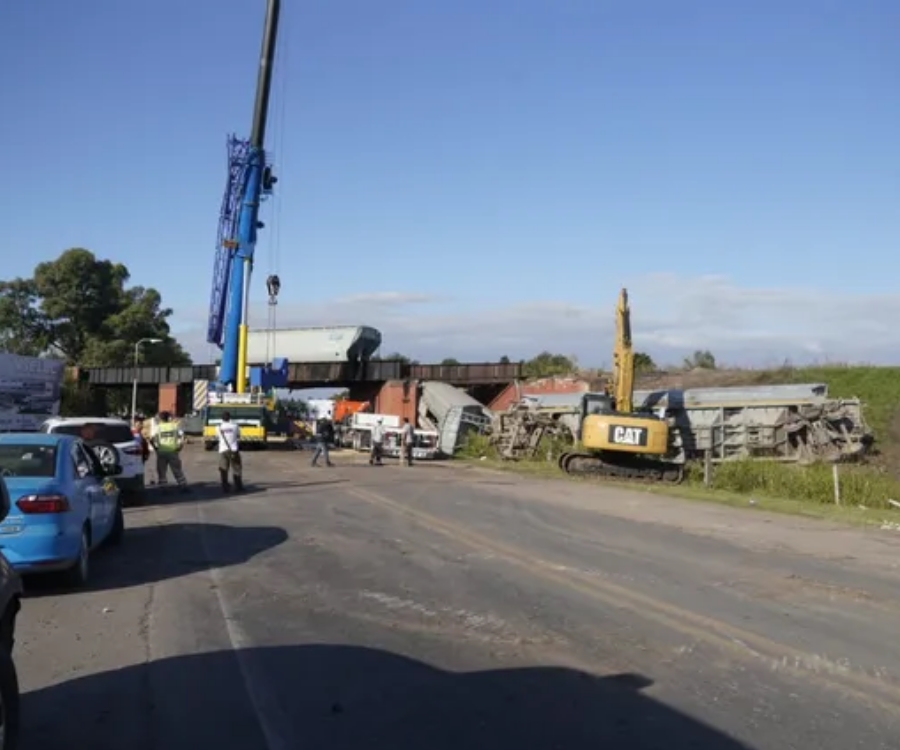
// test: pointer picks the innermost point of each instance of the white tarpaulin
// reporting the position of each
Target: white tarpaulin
(30, 390)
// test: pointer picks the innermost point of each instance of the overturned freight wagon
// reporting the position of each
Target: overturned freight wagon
(790, 423)
(452, 413)
(314, 344)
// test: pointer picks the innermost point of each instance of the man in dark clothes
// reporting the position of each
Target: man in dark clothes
(407, 442)
(324, 436)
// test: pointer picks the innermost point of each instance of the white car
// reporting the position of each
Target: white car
(104, 435)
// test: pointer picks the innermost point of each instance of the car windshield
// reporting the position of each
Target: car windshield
(110, 433)
(21, 460)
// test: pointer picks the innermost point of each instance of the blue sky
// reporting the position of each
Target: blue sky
(479, 178)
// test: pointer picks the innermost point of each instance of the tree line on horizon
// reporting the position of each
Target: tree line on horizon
(547, 364)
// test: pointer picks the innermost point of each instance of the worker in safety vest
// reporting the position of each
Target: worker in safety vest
(167, 439)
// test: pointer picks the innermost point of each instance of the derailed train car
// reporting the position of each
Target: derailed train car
(314, 344)
(789, 423)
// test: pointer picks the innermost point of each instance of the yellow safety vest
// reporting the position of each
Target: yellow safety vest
(167, 437)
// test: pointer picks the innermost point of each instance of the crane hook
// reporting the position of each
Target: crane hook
(273, 285)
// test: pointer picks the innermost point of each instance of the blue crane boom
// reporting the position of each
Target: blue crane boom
(250, 179)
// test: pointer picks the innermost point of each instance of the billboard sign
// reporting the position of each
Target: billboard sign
(30, 391)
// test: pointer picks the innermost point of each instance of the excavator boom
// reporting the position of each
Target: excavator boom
(623, 357)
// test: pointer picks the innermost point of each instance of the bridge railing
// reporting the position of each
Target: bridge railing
(320, 373)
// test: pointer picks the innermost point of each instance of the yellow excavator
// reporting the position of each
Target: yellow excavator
(614, 440)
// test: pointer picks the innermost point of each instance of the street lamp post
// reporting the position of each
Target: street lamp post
(134, 385)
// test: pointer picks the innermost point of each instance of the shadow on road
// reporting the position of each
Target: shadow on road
(150, 554)
(205, 492)
(327, 697)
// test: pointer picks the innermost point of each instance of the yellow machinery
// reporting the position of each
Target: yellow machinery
(253, 412)
(615, 441)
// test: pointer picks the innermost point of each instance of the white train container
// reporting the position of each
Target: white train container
(321, 344)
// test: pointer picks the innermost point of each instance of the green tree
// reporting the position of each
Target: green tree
(292, 408)
(700, 360)
(547, 364)
(643, 363)
(79, 308)
(79, 400)
(449, 361)
(504, 360)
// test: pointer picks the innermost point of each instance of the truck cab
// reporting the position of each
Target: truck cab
(250, 411)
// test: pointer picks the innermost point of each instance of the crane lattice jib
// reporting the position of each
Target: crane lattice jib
(226, 245)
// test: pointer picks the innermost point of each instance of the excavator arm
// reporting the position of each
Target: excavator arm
(623, 357)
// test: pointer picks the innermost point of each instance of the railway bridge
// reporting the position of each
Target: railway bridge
(391, 385)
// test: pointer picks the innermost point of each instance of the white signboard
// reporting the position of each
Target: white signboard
(30, 391)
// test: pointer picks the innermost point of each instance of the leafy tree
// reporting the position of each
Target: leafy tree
(79, 308)
(79, 400)
(547, 364)
(504, 360)
(292, 408)
(700, 360)
(449, 361)
(643, 363)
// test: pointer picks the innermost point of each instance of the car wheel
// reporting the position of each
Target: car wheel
(9, 703)
(118, 529)
(77, 575)
(107, 453)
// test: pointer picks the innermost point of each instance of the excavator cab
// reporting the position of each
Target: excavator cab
(597, 403)
(594, 404)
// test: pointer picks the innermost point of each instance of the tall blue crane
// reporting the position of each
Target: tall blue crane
(250, 180)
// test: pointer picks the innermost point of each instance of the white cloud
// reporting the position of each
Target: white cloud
(672, 315)
(385, 299)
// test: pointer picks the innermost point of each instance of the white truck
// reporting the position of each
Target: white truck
(358, 436)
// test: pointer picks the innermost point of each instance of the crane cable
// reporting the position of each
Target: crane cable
(279, 106)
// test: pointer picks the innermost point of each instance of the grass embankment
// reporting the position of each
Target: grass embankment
(865, 489)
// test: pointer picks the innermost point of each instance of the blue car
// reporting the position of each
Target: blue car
(64, 504)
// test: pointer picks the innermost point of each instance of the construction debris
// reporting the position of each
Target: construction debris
(791, 424)
(516, 434)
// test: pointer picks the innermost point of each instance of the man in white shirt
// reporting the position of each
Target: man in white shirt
(229, 435)
(377, 443)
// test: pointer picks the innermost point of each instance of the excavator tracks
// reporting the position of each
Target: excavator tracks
(631, 469)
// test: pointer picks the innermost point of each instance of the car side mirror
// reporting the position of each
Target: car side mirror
(5, 502)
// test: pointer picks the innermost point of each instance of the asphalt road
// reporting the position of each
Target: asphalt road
(439, 607)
